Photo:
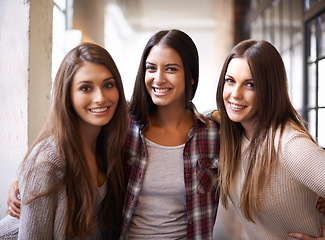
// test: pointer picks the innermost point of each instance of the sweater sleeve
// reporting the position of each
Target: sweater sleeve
(305, 162)
(37, 219)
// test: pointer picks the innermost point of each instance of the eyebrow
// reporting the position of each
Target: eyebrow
(167, 65)
(249, 79)
(90, 82)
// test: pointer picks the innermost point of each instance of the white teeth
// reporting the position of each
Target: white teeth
(98, 110)
(237, 106)
(161, 90)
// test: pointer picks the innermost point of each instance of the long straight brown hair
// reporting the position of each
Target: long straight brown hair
(61, 125)
(274, 111)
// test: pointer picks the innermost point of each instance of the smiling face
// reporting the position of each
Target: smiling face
(94, 95)
(164, 77)
(239, 94)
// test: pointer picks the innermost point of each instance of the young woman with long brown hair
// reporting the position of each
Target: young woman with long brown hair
(270, 167)
(72, 178)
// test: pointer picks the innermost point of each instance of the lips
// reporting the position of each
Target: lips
(98, 110)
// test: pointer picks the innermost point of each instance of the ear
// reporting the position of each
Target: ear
(192, 81)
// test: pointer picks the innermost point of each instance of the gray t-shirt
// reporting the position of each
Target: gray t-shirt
(161, 209)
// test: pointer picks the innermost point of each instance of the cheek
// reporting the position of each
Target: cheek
(147, 84)
(114, 96)
(252, 99)
(225, 93)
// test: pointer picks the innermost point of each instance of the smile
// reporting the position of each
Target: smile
(160, 90)
(235, 106)
(98, 110)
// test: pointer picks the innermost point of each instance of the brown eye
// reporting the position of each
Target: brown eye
(85, 88)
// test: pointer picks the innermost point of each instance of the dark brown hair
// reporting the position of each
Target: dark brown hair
(141, 104)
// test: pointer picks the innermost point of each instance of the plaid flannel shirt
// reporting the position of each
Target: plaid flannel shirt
(201, 159)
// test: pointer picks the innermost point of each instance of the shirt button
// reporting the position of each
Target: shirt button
(188, 198)
(187, 175)
(186, 154)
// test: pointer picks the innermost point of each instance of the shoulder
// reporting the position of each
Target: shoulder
(292, 135)
(298, 151)
(46, 156)
(205, 123)
(43, 168)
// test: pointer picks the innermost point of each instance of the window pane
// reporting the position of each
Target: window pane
(322, 36)
(321, 83)
(312, 85)
(312, 123)
(297, 77)
(61, 4)
(321, 127)
(311, 31)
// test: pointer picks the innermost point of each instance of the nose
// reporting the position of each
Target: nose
(99, 96)
(236, 92)
(159, 78)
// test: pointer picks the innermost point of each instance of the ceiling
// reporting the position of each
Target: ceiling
(148, 14)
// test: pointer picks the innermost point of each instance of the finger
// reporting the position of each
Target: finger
(301, 236)
(321, 202)
(12, 213)
(322, 210)
(14, 209)
(321, 207)
(321, 199)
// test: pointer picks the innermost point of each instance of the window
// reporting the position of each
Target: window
(281, 23)
(315, 71)
(63, 38)
(297, 29)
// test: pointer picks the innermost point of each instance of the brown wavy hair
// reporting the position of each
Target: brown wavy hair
(61, 125)
(274, 111)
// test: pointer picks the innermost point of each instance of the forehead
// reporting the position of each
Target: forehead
(89, 70)
(163, 53)
(239, 67)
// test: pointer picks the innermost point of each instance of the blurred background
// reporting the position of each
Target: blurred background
(36, 34)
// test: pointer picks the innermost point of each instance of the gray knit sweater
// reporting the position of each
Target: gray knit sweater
(44, 217)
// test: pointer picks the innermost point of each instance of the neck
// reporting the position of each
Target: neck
(171, 116)
(249, 132)
(89, 135)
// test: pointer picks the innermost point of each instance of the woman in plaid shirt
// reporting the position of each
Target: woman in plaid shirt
(171, 150)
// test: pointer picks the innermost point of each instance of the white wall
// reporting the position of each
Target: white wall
(25, 81)
(14, 19)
